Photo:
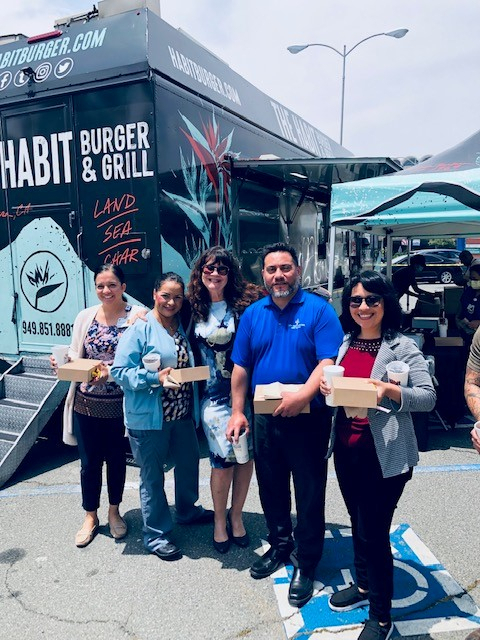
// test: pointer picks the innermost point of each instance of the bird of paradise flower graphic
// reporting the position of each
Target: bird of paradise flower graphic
(206, 175)
(40, 278)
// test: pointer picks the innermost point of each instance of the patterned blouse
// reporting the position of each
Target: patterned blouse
(176, 402)
(101, 400)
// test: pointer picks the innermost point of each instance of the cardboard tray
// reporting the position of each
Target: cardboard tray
(80, 370)
(264, 403)
(176, 377)
(353, 392)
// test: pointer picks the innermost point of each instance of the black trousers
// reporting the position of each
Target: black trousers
(371, 501)
(100, 440)
(295, 448)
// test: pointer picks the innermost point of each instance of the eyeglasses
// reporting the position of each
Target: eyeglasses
(371, 301)
(221, 269)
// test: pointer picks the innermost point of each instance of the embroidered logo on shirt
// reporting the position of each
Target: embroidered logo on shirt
(297, 324)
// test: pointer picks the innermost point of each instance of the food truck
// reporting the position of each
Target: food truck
(117, 138)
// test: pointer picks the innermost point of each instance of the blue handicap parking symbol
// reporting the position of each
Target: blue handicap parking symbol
(426, 597)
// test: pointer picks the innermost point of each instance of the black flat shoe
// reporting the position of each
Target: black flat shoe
(301, 588)
(240, 541)
(221, 547)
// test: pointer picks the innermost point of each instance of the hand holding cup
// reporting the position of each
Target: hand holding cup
(329, 372)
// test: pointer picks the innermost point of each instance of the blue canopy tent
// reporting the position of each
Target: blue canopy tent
(438, 197)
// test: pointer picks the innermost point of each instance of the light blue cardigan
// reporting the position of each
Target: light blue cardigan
(142, 403)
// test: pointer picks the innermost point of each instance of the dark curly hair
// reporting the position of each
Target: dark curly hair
(238, 293)
(373, 282)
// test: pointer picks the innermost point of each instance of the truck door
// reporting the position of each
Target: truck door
(41, 211)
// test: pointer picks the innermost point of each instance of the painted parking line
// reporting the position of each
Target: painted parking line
(426, 597)
(65, 489)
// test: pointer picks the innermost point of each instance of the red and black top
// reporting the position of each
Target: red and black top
(358, 363)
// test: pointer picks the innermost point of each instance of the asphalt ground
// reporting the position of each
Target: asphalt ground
(113, 590)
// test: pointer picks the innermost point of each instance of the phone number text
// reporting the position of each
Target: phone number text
(47, 328)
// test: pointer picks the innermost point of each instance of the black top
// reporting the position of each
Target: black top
(403, 279)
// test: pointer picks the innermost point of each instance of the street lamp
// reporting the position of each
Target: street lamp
(296, 48)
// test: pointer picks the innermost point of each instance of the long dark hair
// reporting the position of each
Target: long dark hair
(115, 269)
(238, 293)
(373, 282)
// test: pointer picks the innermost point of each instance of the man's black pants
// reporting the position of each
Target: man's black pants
(294, 447)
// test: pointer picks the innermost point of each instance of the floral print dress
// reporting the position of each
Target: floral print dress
(215, 338)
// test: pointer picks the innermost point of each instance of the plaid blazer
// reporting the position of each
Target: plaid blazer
(393, 433)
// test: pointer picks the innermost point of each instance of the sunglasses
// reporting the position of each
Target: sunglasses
(370, 301)
(221, 269)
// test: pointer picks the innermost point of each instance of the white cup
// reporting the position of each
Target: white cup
(476, 426)
(329, 372)
(397, 373)
(60, 353)
(151, 362)
(240, 448)
(443, 329)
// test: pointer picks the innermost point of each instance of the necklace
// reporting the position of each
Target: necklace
(170, 328)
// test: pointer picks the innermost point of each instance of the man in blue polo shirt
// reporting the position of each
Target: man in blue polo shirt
(288, 337)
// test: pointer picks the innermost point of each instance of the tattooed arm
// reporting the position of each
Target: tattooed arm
(472, 396)
(472, 392)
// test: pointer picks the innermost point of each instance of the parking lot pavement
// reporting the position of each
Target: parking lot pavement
(50, 589)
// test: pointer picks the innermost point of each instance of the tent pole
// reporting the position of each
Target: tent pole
(389, 255)
(331, 259)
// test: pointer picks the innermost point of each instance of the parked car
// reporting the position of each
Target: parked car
(442, 265)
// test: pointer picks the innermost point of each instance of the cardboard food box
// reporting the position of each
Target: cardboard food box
(353, 392)
(80, 370)
(189, 374)
(449, 342)
(269, 396)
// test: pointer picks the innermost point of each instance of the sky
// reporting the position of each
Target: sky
(403, 97)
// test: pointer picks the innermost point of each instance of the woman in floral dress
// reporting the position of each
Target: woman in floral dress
(218, 294)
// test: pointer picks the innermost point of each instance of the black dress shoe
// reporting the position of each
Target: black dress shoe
(167, 551)
(269, 563)
(205, 516)
(221, 547)
(240, 541)
(301, 588)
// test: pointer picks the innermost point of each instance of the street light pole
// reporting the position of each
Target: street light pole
(296, 48)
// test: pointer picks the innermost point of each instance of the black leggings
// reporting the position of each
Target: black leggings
(371, 501)
(100, 440)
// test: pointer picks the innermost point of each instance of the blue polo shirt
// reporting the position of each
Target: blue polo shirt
(285, 345)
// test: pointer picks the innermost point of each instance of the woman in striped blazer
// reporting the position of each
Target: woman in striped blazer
(375, 455)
